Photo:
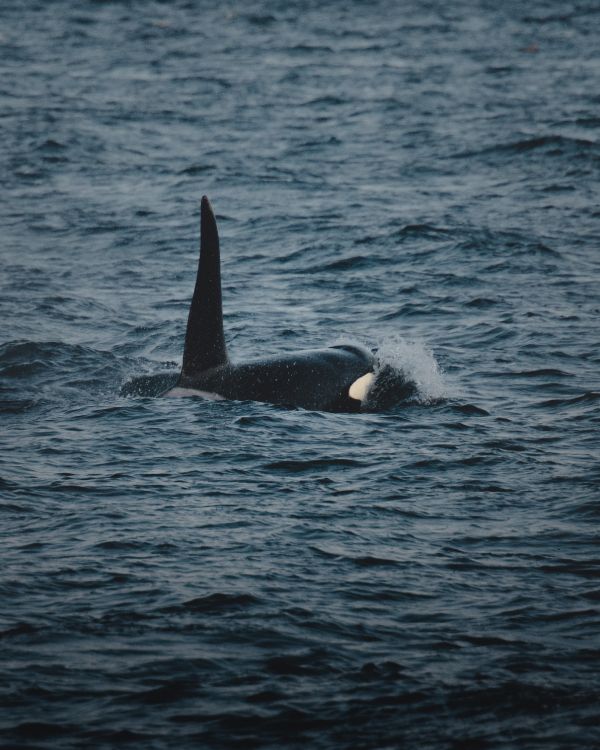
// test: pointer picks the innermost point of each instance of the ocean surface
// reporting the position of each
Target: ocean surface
(421, 177)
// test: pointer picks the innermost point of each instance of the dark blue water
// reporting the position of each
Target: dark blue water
(418, 176)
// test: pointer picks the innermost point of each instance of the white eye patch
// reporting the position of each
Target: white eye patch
(360, 388)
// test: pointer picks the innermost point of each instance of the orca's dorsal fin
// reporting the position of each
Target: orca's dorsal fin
(204, 338)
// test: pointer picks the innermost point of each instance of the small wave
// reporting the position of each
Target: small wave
(306, 663)
(41, 730)
(121, 545)
(368, 561)
(505, 445)
(542, 372)
(482, 302)
(50, 145)
(469, 409)
(35, 372)
(333, 100)
(583, 568)
(552, 145)
(426, 231)
(21, 628)
(588, 122)
(218, 602)
(171, 691)
(316, 463)
(558, 141)
(260, 19)
(197, 169)
(354, 262)
(302, 48)
(561, 18)
(17, 405)
(589, 397)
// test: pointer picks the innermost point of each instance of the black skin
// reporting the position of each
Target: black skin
(312, 379)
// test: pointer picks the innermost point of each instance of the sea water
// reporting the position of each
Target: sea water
(419, 177)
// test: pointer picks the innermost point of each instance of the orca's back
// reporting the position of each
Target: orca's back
(313, 379)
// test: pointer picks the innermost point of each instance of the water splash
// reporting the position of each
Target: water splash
(149, 386)
(406, 370)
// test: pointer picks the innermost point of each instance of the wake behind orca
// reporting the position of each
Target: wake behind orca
(340, 378)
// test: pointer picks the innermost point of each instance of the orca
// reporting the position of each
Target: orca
(335, 379)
